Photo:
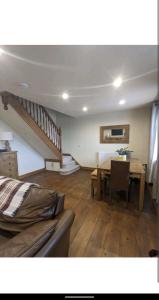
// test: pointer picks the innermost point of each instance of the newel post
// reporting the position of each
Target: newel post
(5, 99)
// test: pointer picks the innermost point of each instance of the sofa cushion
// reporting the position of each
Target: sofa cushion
(40, 204)
(28, 242)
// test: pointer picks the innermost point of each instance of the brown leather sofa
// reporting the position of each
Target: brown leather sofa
(46, 238)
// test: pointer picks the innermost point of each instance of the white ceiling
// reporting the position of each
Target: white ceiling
(85, 72)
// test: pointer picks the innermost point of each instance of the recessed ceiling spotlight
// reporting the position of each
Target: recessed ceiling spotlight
(1, 51)
(23, 85)
(118, 82)
(65, 96)
(85, 108)
(121, 102)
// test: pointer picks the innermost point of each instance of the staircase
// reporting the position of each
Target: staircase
(38, 119)
(41, 123)
(69, 165)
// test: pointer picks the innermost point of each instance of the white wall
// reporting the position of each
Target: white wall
(81, 135)
(28, 159)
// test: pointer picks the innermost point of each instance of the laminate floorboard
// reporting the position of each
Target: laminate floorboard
(101, 228)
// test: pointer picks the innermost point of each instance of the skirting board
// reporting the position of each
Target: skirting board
(31, 173)
(87, 168)
(21, 177)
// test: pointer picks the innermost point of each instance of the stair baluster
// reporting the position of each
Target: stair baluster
(37, 117)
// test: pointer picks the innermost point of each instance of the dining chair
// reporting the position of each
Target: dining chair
(101, 157)
(119, 177)
(94, 180)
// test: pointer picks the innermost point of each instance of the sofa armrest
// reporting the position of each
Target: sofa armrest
(44, 239)
(60, 204)
(58, 243)
(29, 241)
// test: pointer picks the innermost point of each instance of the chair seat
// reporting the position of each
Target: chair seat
(94, 173)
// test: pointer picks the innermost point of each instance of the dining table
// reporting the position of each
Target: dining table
(137, 170)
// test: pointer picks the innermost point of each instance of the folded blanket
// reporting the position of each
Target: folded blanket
(12, 194)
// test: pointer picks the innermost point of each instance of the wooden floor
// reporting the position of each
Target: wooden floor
(102, 229)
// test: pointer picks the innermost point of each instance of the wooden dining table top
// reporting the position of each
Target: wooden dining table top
(136, 166)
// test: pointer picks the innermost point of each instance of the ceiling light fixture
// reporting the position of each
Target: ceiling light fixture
(85, 108)
(23, 85)
(65, 96)
(118, 82)
(121, 102)
(1, 51)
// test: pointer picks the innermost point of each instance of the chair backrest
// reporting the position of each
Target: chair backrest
(103, 156)
(119, 178)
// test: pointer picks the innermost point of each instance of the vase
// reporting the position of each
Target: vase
(122, 157)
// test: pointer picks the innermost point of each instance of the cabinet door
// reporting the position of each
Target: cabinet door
(8, 165)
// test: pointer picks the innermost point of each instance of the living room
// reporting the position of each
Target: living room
(79, 152)
(57, 138)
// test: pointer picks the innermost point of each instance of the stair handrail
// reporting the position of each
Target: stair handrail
(57, 130)
(6, 99)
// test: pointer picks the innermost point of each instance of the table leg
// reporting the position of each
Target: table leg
(98, 184)
(142, 192)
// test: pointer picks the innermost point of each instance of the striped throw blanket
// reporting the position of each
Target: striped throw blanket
(12, 194)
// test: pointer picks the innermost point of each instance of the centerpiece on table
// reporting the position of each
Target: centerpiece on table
(124, 153)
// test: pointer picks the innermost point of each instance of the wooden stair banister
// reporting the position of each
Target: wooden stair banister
(38, 119)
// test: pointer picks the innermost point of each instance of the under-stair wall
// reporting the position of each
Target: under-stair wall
(29, 159)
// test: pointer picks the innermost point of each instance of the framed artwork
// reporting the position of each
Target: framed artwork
(116, 134)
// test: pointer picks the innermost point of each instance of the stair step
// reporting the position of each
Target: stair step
(69, 167)
(69, 170)
(66, 159)
(68, 164)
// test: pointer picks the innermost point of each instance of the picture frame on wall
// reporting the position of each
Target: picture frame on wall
(114, 134)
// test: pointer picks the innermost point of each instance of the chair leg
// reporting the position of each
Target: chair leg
(127, 198)
(106, 185)
(103, 186)
(129, 193)
(92, 189)
(110, 193)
